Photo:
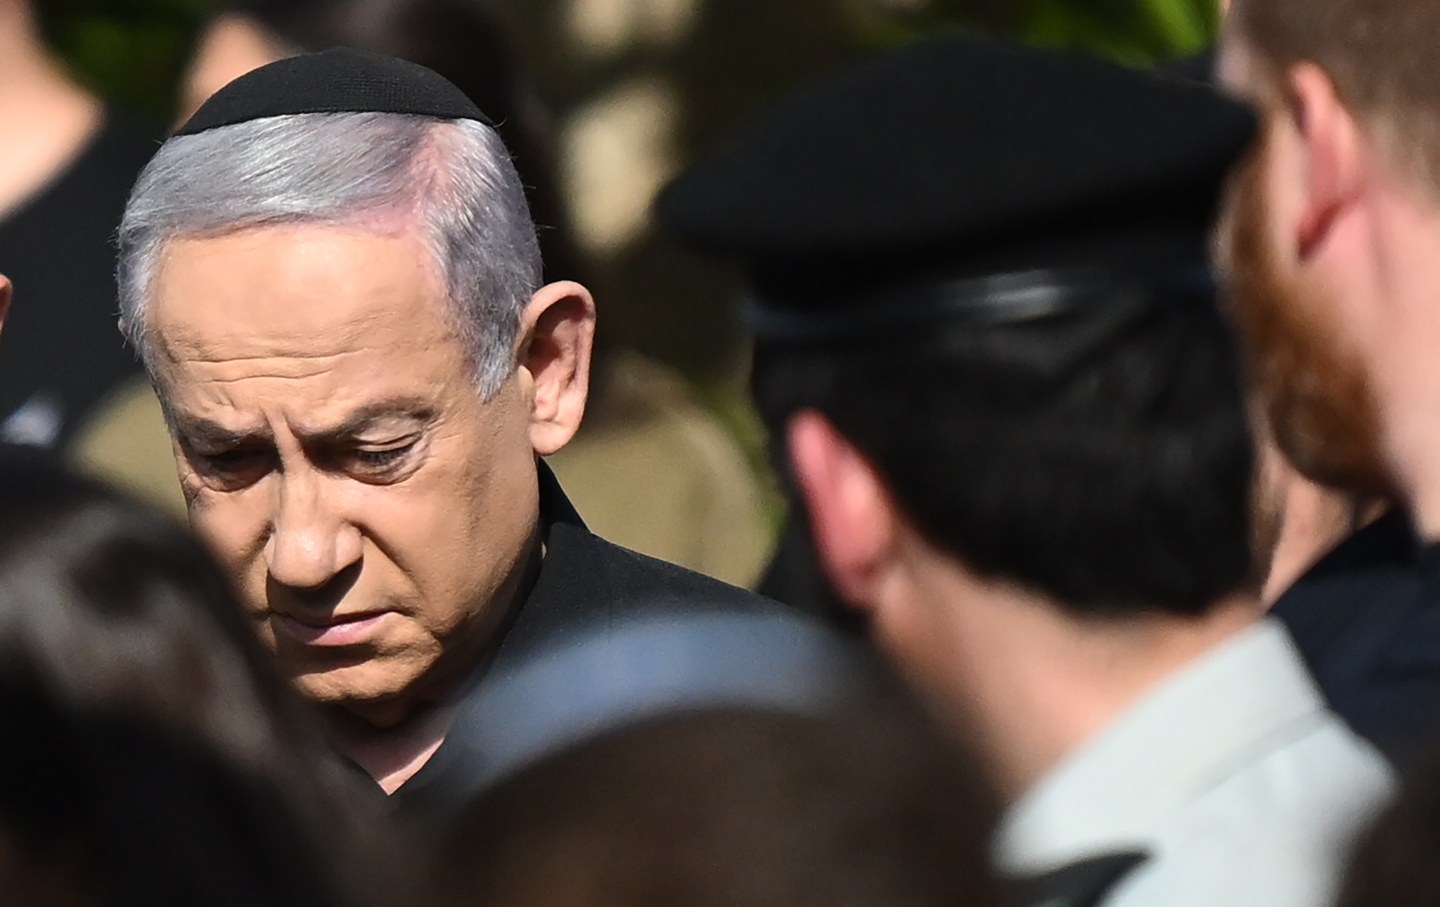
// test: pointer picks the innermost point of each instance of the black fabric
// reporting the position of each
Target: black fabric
(1197, 67)
(627, 671)
(61, 352)
(1366, 618)
(341, 80)
(584, 584)
(794, 578)
(976, 302)
(1083, 884)
(964, 158)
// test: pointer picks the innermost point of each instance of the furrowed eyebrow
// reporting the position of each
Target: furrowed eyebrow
(366, 417)
(194, 430)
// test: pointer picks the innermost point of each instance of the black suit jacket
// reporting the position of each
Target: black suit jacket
(606, 635)
(1367, 620)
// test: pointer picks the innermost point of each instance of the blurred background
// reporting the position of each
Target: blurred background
(635, 88)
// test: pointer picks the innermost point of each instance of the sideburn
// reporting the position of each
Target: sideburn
(1316, 394)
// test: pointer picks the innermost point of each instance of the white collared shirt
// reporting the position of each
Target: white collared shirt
(1244, 788)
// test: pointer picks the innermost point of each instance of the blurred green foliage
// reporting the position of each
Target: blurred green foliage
(130, 51)
(1138, 32)
(740, 56)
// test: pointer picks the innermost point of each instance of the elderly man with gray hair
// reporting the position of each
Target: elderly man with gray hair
(332, 276)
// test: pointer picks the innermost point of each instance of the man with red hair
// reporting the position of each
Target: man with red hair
(1330, 241)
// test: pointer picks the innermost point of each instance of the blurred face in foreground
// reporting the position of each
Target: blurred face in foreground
(5, 292)
(376, 512)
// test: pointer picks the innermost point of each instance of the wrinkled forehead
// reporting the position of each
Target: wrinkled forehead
(297, 291)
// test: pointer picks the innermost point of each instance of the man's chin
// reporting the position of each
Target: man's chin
(1336, 457)
(367, 691)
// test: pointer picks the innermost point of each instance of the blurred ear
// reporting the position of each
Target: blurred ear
(853, 520)
(557, 333)
(5, 293)
(1332, 145)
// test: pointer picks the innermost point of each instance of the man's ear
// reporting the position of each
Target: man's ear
(557, 333)
(5, 292)
(852, 518)
(1334, 151)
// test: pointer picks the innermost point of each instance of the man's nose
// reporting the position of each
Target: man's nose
(311, 542)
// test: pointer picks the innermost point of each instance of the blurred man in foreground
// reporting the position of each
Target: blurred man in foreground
(731, 807)
(1330, 235)
(1014, 415)
(332, 275)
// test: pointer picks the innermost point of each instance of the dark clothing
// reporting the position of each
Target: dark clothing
(588, 591)
(794, 578)
(61, 352)
(1366, 618)
(1078, 885)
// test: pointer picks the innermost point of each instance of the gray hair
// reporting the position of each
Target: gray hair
(454, 178)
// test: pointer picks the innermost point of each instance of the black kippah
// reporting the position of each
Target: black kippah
(334, 81)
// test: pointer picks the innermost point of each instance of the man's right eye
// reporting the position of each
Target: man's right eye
(233, 468)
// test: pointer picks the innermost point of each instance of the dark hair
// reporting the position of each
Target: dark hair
(111, 810)
(1100, 457)
(741, 808)
(111, 617)
(114, 606)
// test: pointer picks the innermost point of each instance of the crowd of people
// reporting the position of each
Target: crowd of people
(1102, 397)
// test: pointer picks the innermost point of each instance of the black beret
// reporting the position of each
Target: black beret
(965, 175)
(334, 81)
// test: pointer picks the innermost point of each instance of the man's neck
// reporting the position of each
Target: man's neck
(1035, 685)
(392, 755)
(1312, 521)
(1422, 481)
(59, 116)
(1403, 361)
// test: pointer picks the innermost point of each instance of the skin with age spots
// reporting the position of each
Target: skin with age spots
(376, 511)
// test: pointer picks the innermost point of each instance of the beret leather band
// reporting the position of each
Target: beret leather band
(987, 301)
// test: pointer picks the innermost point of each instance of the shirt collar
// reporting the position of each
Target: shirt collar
(555, 507)
(1429, 560)
(1238, 701)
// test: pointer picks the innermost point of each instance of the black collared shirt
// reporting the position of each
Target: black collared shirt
(583, 582)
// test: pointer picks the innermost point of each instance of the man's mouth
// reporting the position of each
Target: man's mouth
(336, 630)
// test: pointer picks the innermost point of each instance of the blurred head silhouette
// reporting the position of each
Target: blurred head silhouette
(152, 757)
(112, 606)
(742, 807)
(104, 808)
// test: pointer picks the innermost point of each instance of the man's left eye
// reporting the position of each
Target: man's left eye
(379, 458)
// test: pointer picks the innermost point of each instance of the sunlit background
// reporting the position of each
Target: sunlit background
(638, 86)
